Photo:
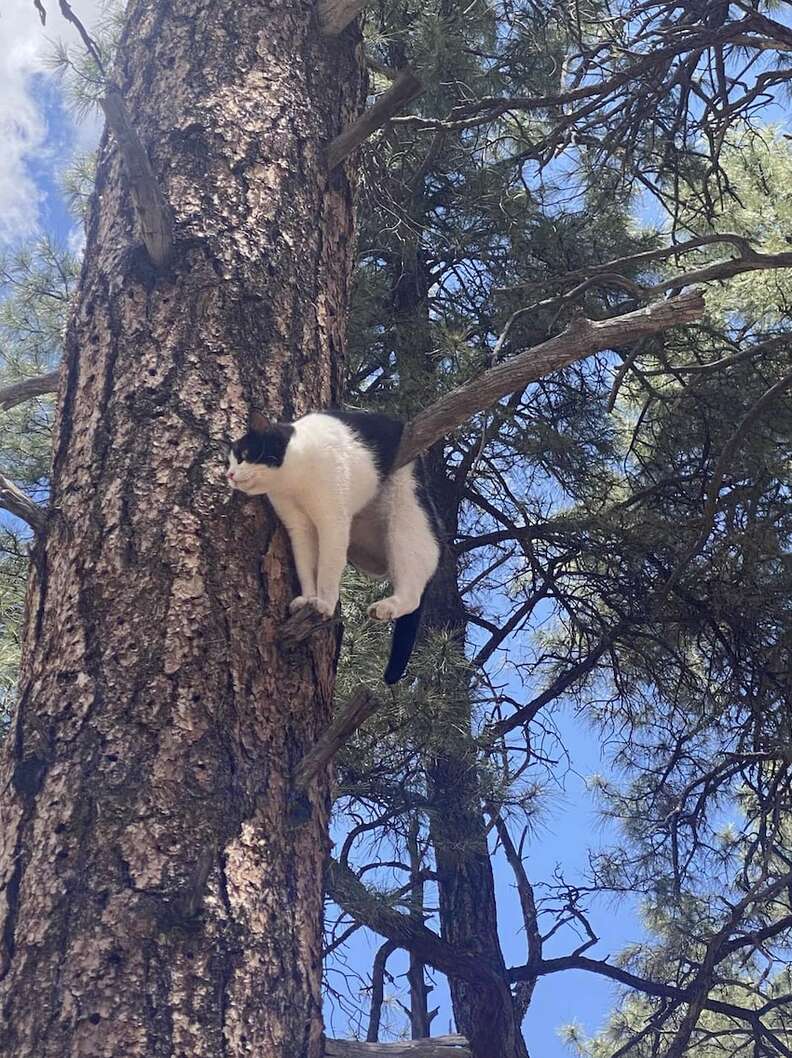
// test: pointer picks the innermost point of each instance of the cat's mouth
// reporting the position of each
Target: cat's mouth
(240, 482)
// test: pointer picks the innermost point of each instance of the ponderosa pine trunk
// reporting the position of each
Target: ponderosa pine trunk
(155, 899)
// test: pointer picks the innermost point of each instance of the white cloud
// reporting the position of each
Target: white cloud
(24, 134)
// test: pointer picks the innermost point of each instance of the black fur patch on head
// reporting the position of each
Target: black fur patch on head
(379, 433)
(264, 446)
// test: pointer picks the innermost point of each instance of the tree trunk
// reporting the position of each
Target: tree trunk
(466, 887)
(155, 899)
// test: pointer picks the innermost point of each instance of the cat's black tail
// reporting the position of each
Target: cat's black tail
(405, 632)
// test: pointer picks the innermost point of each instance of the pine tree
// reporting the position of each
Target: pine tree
(156, 896)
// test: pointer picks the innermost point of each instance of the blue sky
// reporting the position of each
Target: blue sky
(39, 139)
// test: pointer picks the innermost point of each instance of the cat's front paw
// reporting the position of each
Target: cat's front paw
(298, 602)
(322, 606)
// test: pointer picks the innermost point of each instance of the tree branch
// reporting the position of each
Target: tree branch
(13, 499)
(335, 15)
(527, 712)
(713, 491)
(154, 213)
(439, 1047)
(19, 392)
(404, 88)
(580, 339)
(640, 984)
(378, 989)
(349, 718)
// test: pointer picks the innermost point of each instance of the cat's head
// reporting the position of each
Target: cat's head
(254, 461)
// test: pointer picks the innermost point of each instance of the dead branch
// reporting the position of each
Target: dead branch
(36, 386)
(90, 46)
(405, 88)
(438, 1047)
(13, 499)
(580, 338)
(349, 718)
(154, 213)
(335, 15)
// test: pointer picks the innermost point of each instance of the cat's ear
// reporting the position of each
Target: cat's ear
(259, 423)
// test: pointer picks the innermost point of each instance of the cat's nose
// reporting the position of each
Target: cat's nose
(230, 475)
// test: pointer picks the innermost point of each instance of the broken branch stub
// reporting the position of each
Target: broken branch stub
(404, 89)
(335, 15)
(349, 718)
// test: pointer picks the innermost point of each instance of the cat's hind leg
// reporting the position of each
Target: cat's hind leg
(412, 548)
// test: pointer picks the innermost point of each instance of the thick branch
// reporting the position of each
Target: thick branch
(404, 88)
(19, 392)
(580, 339)
(439, 1047)
(335, 15)
(15, 501)
(349, 718)
(154, 214)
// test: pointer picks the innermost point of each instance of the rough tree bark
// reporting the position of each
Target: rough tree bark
(153, 898)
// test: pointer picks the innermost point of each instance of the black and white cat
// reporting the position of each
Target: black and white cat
(330, 478)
